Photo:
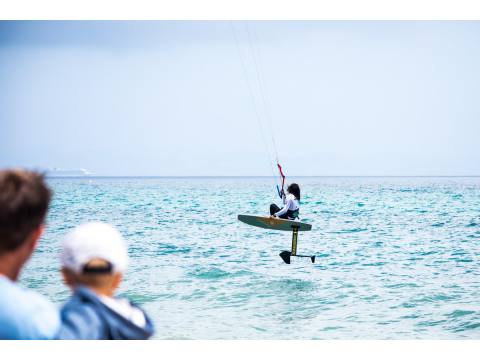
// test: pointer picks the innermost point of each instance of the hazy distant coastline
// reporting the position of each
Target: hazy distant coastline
(56, 172)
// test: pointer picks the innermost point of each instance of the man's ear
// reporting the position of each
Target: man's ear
(35, 237)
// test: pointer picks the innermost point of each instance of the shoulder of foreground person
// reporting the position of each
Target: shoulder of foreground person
(26, 315)
(85, 316)
(80, 321)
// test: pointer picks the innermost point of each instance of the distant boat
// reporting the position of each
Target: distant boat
(56, 172)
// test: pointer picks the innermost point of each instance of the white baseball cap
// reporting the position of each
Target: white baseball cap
(94, 240)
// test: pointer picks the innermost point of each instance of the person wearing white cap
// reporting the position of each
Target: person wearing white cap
(94, 258)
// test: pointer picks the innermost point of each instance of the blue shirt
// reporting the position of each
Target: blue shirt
(25, 314)
(85, 316)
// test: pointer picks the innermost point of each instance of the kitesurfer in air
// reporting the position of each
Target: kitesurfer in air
(291, 204)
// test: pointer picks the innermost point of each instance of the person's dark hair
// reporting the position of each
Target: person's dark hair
(24, 200)
(295, 190)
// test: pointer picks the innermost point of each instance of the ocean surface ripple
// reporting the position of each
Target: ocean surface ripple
(397, 258)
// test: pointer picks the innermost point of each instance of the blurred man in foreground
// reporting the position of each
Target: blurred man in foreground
(24, 200)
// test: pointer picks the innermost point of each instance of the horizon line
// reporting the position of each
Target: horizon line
(261, 176)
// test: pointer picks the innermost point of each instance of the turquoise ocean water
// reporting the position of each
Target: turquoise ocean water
(397, 258)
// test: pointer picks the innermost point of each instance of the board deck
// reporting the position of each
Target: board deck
(268, 222)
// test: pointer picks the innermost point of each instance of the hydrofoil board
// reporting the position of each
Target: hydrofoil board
(268, 222)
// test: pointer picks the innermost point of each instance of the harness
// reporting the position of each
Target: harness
(293, 214)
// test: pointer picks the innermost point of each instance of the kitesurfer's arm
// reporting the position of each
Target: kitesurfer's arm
(288, 203)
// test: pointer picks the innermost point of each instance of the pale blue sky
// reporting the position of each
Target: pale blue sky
(170, 98)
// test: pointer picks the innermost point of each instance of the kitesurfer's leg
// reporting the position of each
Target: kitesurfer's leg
(274, 209)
